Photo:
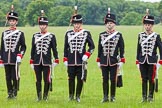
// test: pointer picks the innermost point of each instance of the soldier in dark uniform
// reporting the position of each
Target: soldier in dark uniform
(147, 60)
(42, 44)
(13, 48)
(75, 53)
(110, 45)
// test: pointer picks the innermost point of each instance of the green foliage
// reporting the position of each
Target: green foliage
(2, 20)
(131, 18)
(93, 11)
(160, 10)
(34, 10)
(61, 17)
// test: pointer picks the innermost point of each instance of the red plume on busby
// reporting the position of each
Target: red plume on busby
(76, 18)
(110, 17)
(12, 14)
(148, 19)
(42, 20)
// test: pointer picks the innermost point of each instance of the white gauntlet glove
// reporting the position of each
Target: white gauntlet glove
(55, 62)
(18, 58)
(137, 66)
(85, 57)
(120, 64)
(98, 63)
(158, 66)
(32, 66)
(66, 63)
(1, 63)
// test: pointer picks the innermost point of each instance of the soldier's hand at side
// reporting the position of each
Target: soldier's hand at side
(98, 63)
(1, 63)
(120, 64)
(85, 57)
(158, 66)
(66, 63)
(32, 66)
(54, 64)
(18, 59)
(137, 66)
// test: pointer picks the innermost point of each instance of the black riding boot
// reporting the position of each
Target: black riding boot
(71, 89)
(9, 89)
(144, 91)
(105, 86)
(14, 93)
(151, 91)
(79, 90)
(39, 90)
(15, 88)
(10, 94)
(46, 89)
(113, 91)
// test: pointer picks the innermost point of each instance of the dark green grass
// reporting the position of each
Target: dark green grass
(128, 96)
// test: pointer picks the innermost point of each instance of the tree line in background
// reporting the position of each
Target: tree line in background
(59, 12)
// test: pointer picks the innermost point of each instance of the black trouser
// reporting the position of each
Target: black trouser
(46, 77)
(148, 72)
(106, 71)
(74, 71)
(11, 81)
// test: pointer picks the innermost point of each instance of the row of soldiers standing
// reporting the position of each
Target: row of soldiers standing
(110, 55)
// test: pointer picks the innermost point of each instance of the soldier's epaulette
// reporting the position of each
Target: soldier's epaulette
(142, 33)
(10, 30)
(7, 30)
(103, 33)
(157, 33)
(86, 30)
(69, 31)
(119, 32)
(52, 34)
(36, 33)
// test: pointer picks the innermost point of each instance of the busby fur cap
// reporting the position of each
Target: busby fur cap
(42, 20)
(77, 18)
(148, 19)
(12, 14)
(110, 17)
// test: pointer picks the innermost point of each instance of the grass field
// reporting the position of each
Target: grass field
(128, 96)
